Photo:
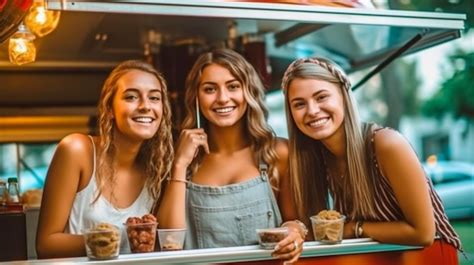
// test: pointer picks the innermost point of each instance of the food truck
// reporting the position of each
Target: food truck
(57, 94)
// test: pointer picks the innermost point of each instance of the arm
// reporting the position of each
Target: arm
(171, 211)
(286, 249)
(62, 184)
(400, 165)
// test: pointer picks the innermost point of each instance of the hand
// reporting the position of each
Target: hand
(188, 146)
(290, 248)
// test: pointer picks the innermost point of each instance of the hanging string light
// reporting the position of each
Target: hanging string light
(21, 48)
(41, 21)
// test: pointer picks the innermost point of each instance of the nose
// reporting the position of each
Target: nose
(222, 95)
(313, 108)
(144, 105)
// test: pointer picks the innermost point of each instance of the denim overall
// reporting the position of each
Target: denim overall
(227, 216)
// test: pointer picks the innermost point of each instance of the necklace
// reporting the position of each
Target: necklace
(329, 173)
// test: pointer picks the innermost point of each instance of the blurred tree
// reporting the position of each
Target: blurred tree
(450, 6)
(410, 88)
(456, 94)
(399, 79)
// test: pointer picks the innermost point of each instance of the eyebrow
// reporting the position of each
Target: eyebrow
(132, 89)
(214, 83)
(313, 95)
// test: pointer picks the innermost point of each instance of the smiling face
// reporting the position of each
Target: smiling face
(137, 105)
(316, 107)
(221, 96)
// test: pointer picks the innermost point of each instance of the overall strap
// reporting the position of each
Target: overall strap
(263, 168)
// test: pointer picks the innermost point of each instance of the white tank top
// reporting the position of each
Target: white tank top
(84, 214)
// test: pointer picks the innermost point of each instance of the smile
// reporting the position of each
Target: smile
(224, 110)
(143, 119)
(318, 122)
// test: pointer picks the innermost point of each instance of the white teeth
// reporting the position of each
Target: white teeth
(224, 110)
(143, 119)
(318, 122)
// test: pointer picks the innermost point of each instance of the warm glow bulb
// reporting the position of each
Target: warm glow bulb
(40, 15)
(21, 48)
(41, 21)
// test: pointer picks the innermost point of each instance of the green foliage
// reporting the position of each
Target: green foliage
(456, 95)
(449, 6)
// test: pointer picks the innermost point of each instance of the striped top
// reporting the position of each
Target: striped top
(386, 205)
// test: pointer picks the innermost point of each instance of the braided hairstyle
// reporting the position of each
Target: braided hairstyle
(307, 167)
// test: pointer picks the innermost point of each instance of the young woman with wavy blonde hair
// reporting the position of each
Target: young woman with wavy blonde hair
(371, 173)
(229, 176)
(110, 177)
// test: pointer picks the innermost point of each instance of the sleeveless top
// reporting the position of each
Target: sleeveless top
(386, 205)
(85, 214)
(226, 216)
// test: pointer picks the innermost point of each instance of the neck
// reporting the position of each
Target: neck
(227, 139)
(126, 151)
(336, 144)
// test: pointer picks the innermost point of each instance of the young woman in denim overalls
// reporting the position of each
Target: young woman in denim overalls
(229, 176)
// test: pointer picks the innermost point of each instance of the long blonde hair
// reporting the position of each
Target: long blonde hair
(262, 137)
(307, 167)
(154, 155)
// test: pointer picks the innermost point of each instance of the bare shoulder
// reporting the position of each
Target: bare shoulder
(75, 145)
(397, 159)
(388, 141)
(281, 148)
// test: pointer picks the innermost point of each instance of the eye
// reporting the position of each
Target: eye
(322, 97)
(209, 89)
(298, 105)
(130, 97)
(155, 97)
(234, 86)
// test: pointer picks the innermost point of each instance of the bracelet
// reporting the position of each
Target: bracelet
(177, 180)
(358, 230)
(302, 227)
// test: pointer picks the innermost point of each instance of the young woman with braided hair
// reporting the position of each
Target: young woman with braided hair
(115, 175)
(372, 174)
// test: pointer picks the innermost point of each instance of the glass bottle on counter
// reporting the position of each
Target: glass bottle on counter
(3, 193)
(13, 191)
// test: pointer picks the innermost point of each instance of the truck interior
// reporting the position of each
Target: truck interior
(41, 102)
(93, 36)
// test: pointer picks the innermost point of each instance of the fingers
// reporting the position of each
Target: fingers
(188, 145)
(290, 257)
(290, 248)
(203, 142)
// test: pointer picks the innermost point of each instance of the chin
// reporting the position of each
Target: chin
(319, 135)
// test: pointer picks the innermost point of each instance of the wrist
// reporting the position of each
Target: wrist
(358, 229)
(179, 165)
(298, 226)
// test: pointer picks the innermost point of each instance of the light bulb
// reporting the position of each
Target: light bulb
(41, 21)
(21, 48)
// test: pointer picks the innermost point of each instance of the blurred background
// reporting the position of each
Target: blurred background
(427, 96)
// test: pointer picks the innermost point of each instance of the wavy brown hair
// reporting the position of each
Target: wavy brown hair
(155, 154)
(262, 137)
(307, 167)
